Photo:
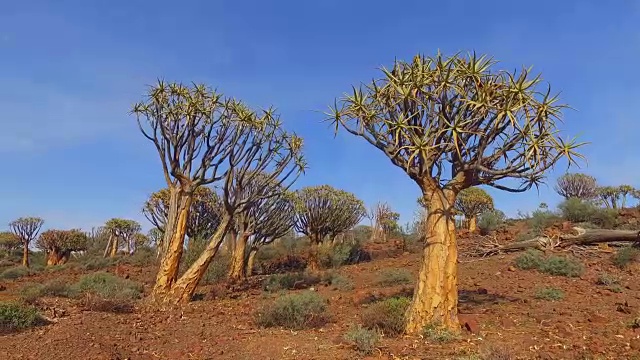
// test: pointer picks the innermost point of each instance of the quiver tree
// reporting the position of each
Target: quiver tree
(625, 191)
(385, 221)
(265, 198)
(323, 211)
(26, 228)
(120, 229)
(9, 241)
(203, 138)
(155, 240)
(609, 196)
(450, 124)
(472, 202)
(577, 185)
(60, 243)
(204, 214)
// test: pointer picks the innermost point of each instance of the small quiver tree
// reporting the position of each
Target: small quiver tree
(577, 185)
(60, 243)
(452, 123)
(609, 196)
(385, 221)
(9, 243)
(323, 211)
(26, 228)
(472, 202)
(120, 229)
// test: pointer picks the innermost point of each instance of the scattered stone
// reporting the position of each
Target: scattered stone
(482, 291)
(597, 319)
(469, 322)
(511, 268)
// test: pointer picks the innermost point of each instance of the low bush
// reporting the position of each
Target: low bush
(607, 279)
(438, 334)
(530, 259)
(289, 281)
(343, 283)
(364, 340)
(542, 219)
(94, 262)
(30, 293)
(391, 277)
(102, 291)
(604, 218)
(490, 220)
(577, 210)
(15, 272)
(624, 256)
(142, 257)
(295, 311)
(387, 316)
(561, 266)
(549, 293)
(346, 253)
(15, 316)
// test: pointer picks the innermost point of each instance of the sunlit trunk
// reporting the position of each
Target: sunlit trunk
(435, 299)
(251, 261)
(107, 249)
(238, 266)
(128, 246)
(57, 257)
(175, 231)
(313, 263)
(25, 254)
(473, 224)
(114, 246)
(183, 289)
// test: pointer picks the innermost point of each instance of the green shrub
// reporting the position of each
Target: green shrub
(606, 279)
(143, 256)
(343, 283)
(365, 340)
(14, 316)
(549, 293)
(561, 266)
(490, 220)
(576, 210)
(387, 316)
(391, 277)
(345, 253)
(289, 281)
(439, 334)
(624, 256)
(531, 259)
(604, 218)
(31, 292)
(95, 262)
(542, 219)
(615, 288)
(107, 286)
(295, 311)
(15, 272)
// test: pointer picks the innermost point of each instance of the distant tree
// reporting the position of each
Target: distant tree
(385, 221)
(625, 191)
(577, 185)
(9, 241)
(609, 196)
(26, 228)
(323, 211)
(203, 138)
(452, 123)
(120, 229)
(60, 243)
(472, 202)
(155, 240)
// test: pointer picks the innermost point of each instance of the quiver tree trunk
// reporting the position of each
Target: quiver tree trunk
(25, 254)
(473, 223)
(114, 247)
(182, 291)
(237, 270)
(57, 257)
(313, 263)
(175, 231)
(435, 299)
(251, 261)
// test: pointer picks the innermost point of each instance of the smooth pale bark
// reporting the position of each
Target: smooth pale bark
(435, 299)
(114, 246)
(251, 261)
(128, 246)
(313, 263)
(25, 254)
(473, 224)
(237, 270)
(183, 289)
(57, 257)
(175, 231)
(107, 249)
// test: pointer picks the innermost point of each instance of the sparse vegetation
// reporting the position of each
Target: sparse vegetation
(15, 316)
(387, 316)
(342, 283)
(623, 257)
(490, 220)
(365, 340)
(392, 277)
(607, 279)
(552, 265)
(289, 281)
(438, 334)
(295, 311)
(15, 272)
(30, 293)
(549, 293)
(531, 259)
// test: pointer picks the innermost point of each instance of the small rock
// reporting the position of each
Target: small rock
(634, 344)
(3, 288)
(469, 322)
(482, 291)
(511, 268)
(598, 319)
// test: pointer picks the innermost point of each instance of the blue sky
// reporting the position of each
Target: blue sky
(70, 71)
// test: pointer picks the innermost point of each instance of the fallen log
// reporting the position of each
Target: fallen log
(583, 237)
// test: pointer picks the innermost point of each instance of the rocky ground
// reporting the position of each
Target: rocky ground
(503, 318)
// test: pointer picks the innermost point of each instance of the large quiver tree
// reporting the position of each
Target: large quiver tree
(323, 211)
(577, 185)
(60, 243)
(472, 202)
(450, 124)
(26, 228)
(203, 138)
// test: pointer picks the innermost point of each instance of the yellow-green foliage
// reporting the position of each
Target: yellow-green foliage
(473, 201)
